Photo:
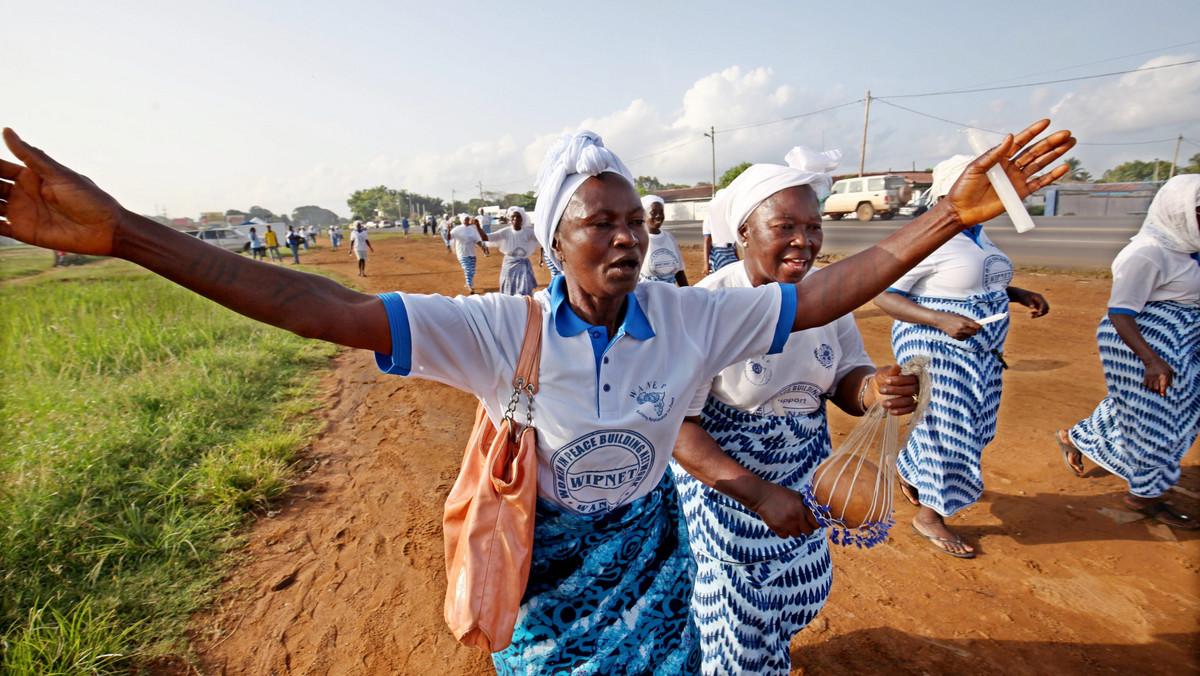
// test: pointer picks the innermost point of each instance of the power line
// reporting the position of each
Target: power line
(1036, 84)
(1091, 63)
(793, 117)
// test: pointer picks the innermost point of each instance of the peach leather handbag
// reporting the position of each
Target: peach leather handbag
(489, 515)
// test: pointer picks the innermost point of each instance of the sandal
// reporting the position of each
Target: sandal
(909, 491)
(1067, 451)
(934, 540)
(1165, 514)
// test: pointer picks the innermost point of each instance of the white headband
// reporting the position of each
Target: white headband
(1171, 218)
(732, 206)
(519, 210)
(651, 199)
(571, 160)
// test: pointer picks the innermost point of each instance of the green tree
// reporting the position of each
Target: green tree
(519, 199)
(264, 214)
(314, 215)
(1193, 166)
(1132, 172)
(375, 203)
(732, 173)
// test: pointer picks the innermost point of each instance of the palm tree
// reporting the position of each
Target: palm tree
(1077, 173)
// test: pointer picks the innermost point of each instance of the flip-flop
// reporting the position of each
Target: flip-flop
(909, 491)
(1158, 509)
(1067, 450)
(933, 540)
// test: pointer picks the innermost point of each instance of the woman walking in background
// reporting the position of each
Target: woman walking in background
(517, 243)
(1150, 350)
(953, 306)
(664, 261)
(465, 238)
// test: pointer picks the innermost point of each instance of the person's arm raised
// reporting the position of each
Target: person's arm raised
(847, 284)
(48, 205)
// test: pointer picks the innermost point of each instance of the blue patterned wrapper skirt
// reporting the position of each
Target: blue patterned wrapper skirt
(516, 276)
(608, 594)
(720, 256)
(1134, 433)
(468, 266)
(754, 589)
(943, 456)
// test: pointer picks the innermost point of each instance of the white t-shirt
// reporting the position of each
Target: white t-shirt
(516, 243)
(960, 268)
(1146, 271)
(358, 240)
(792, 382)
(663, 258)
(607, 413)
(464, 237)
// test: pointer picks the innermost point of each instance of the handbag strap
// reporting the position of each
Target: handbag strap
(525, 378)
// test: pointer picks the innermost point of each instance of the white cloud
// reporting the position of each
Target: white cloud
(1136, 102)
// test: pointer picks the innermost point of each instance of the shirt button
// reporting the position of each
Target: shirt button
(595, 334)
(606, 388)
(606, 360)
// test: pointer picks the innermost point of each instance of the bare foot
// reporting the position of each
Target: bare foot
(930, 525)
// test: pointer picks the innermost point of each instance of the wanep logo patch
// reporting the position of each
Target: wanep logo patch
(653, 404)
(599, 471)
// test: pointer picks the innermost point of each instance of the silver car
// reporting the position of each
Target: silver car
(226, 238)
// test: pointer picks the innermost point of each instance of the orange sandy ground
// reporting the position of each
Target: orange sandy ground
(346, 577)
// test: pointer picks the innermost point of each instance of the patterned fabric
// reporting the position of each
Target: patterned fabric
(551, 265)
(516, 276)
(720, 256)
(1135, 433)
(468, 266)
(754, 589)
(943, 455)
(608, 594)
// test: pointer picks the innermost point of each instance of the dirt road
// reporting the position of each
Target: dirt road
(347, 576)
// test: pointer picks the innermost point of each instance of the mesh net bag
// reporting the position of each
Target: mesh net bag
(851, 491)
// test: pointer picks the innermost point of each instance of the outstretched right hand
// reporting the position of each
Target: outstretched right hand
(48, 205)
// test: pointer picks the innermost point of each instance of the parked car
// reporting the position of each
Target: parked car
(226, 238)
(866, 196)
(916, 206)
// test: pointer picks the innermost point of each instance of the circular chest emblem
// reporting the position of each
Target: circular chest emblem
(997, 273)
(824, 355)
(758, 371)
(599, 471)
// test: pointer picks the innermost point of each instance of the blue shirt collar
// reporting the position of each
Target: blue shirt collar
(973, 232)
(568, 324)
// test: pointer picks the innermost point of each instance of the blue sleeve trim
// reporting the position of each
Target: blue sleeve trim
(400, 361)
(892, 289)
(1122, 311)
(787, 317)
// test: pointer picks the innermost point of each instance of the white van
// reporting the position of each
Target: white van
(226, 238)
(866, 196)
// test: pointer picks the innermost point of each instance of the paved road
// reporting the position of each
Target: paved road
(1065, 242)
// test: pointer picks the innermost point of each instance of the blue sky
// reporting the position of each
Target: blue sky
(187, 107)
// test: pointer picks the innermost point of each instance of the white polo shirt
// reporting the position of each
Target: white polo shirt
(516, 243)
(607, 413)
(663, 259)
(358, 240)
(1146, 271)
(793, 381)
(968, 265)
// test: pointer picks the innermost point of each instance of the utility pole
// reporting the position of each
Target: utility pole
(1156, 170)
(481, 200)
(1176, 158)
(862, 157)
(712, 134)
(452, 191)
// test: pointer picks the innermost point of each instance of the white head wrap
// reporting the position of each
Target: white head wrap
(1171, 219)
(651, 199)
(733, 205)
(945, 174)
(571, 160)
(524, 216)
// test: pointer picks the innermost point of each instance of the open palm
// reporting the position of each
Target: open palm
(48, 205)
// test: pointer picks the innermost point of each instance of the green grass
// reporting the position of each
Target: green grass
(141, 422)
